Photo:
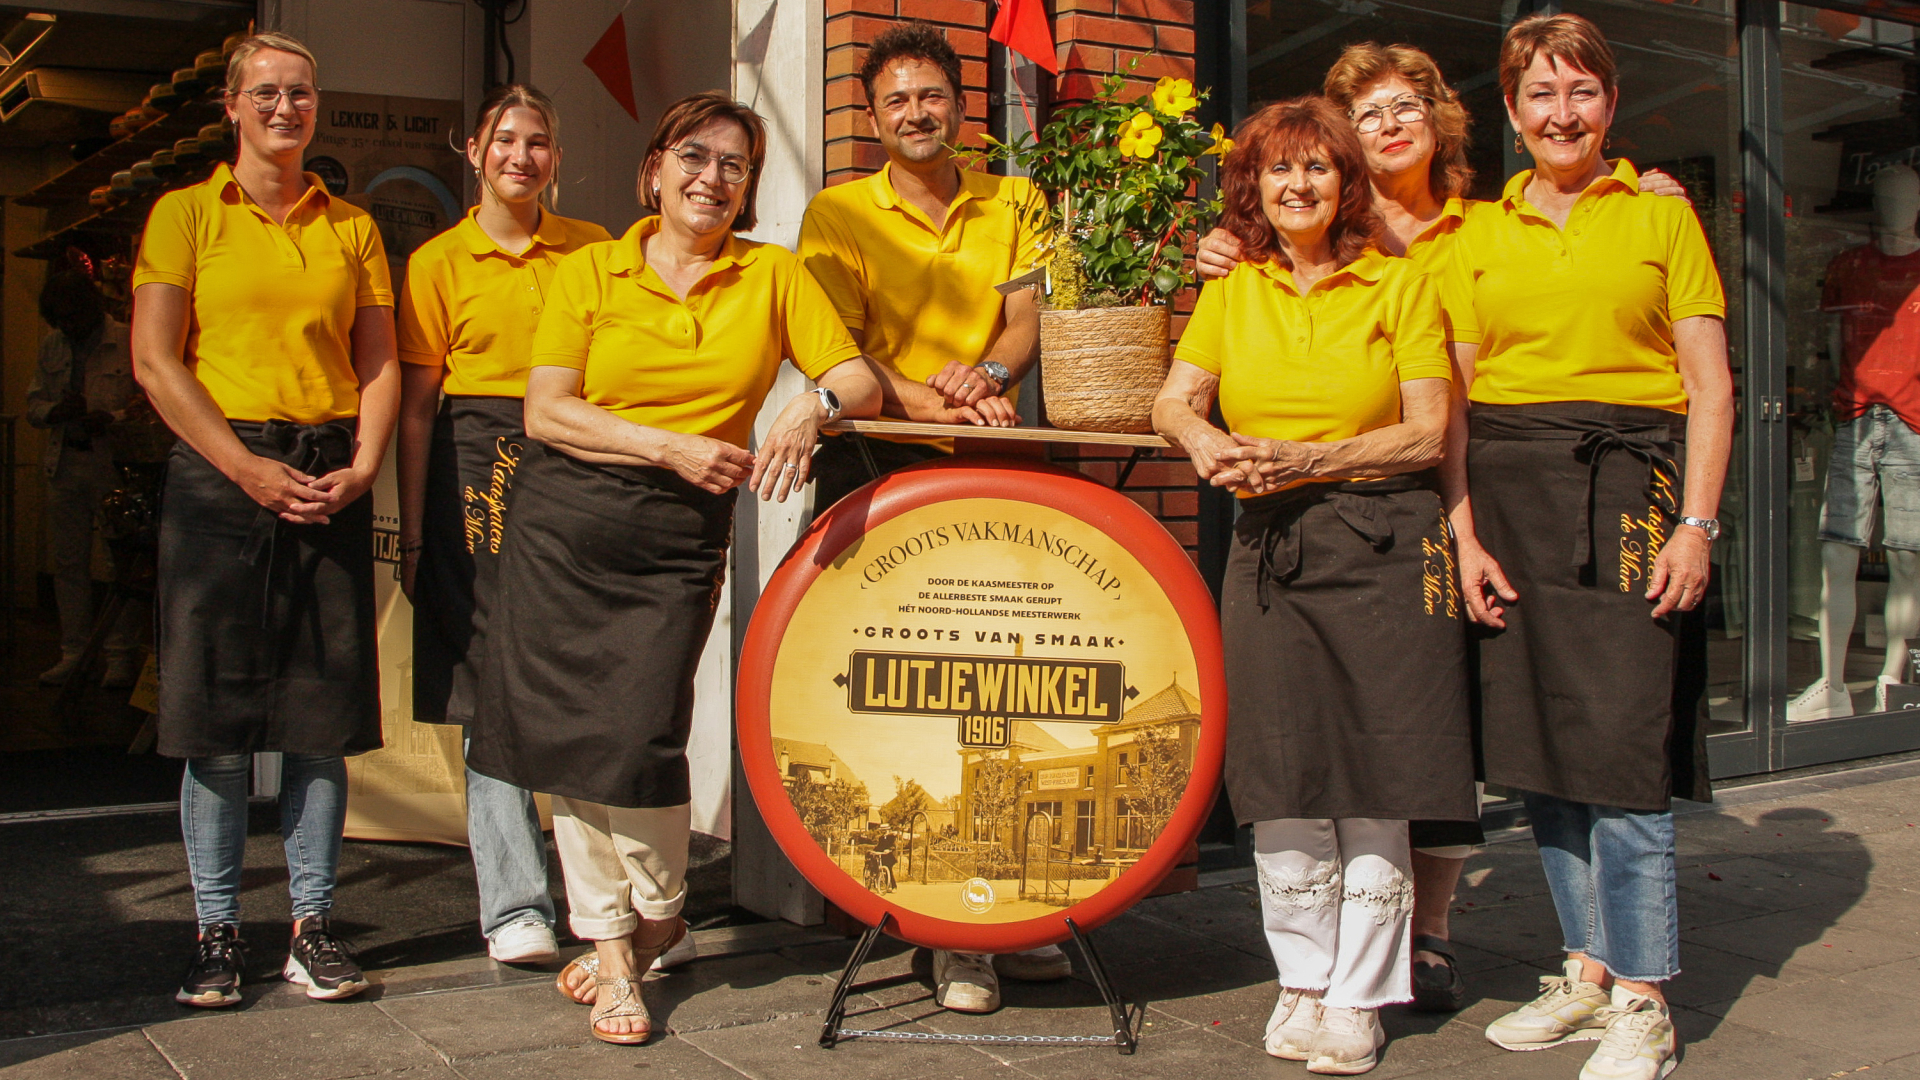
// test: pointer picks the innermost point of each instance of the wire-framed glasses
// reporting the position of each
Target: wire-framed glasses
(266, 99)
(1406, 109)
(695, 159)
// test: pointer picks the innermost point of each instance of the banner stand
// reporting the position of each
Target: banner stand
(1117, 1009)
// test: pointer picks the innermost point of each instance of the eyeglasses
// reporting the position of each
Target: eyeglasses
(266, 99)
(1406, 109)
(695, 159)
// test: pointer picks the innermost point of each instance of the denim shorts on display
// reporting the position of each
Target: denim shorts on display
(1876, 461)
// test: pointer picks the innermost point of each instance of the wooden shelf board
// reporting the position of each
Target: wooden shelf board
(1013, 434)
(79, 180)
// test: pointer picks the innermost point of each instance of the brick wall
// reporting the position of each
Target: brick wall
(1093, 39)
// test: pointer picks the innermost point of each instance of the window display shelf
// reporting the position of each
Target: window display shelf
(76, 183)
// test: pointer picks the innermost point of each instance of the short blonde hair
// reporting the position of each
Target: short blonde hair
(272, 39)
(1365, 64)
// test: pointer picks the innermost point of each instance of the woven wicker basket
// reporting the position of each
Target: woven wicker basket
(1100, 368)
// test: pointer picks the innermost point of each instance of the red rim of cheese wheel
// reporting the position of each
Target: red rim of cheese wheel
(974, 477)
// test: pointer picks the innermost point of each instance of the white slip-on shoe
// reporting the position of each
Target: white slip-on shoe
(1821, 701)
(525, 941)
(1639, 1043)
(682, 951)
(1348, 1042)
(1295, 1021)
(1565, 1011)
(1044, 964)
(965, 982)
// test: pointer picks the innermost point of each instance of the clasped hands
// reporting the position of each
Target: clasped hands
(1247, 463)
(972, 397)
(298, 498)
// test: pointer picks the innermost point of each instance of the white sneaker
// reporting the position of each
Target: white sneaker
(965, 982)
(1880, 692)
(1044, 964)
(1295, 1021)
(1639, 1043)
(1566, 1011)
(58, 674)
(526, 941)
(1821, 701)
(682, 951)
(1348, 1042)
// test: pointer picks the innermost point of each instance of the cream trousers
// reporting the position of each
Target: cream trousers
(1337, 896)
(621, 864)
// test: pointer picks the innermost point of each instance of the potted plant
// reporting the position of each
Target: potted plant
(1121, 181)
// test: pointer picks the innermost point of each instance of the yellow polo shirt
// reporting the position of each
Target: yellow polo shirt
(1432, 252)
(921, 296)
(1321, 367)
(472, 305)
(273, 304)
(700, 367)
(1585, 313)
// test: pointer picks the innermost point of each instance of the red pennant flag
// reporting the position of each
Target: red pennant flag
(608, 62)
(1022, 27)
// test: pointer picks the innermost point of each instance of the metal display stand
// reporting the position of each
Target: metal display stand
(1122, 1038)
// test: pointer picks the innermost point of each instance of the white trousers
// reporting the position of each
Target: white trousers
(621, 864)
(1337, 896)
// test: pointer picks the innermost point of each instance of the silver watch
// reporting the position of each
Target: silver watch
(1710, 526)
(995, 370)
(830, 399)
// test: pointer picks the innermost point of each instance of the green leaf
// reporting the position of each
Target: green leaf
(1166, 281)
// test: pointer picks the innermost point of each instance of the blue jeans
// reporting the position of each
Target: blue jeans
(509, 853)
(1611, 872)
(213, 819)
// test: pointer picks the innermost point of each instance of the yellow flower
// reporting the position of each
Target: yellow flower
(1140, 136)
(1174, 97)
(1221, 144)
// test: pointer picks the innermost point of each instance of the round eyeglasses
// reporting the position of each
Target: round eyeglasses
(695, 159)
(1406, 109)
(266, 99)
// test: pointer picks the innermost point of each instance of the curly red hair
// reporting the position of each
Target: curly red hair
(1309, 128)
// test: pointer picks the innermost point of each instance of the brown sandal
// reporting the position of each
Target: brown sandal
(643, 957)
(588, 964)
(622, 1002)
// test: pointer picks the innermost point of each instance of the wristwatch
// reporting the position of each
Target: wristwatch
(1710, 526)
(995, 370)
(830, 399)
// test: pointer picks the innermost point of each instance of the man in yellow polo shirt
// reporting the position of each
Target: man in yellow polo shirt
(910, 257)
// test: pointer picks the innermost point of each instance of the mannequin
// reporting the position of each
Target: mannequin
(1875, 339)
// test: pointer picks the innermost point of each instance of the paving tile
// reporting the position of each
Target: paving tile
(1761, 883)
(1740, 1052)
(1184, 1055)
(738, 990)
(464, 1024)
(1157, 982)
(1709, 975)
(1229, 915)
(124, 1055)
(788, 1049)
(325, 1041)
(662, 1059)
(1067, 1007)
(1800, 944)
(1865, 1016)
(1525, 929)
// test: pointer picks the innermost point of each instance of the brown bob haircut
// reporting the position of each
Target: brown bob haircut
(1567, 39)
(1301, 129)
(690, 114)
(1363, 65)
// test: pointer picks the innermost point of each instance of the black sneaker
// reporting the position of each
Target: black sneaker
(322, 963)
(214, 978)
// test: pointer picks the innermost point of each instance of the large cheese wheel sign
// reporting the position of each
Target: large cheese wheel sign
(984, 696)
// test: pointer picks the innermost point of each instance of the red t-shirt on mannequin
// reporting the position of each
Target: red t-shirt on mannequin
(1878, 299)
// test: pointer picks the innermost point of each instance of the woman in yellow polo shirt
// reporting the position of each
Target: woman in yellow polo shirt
(1602, 414)
(649, 366)
(1345, 654)
(467, 313)
(263, 332)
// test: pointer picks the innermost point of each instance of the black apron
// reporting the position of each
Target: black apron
(609, 577)
(1346, 656)
(477, 445)
(1583, 695)
(266, 630)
